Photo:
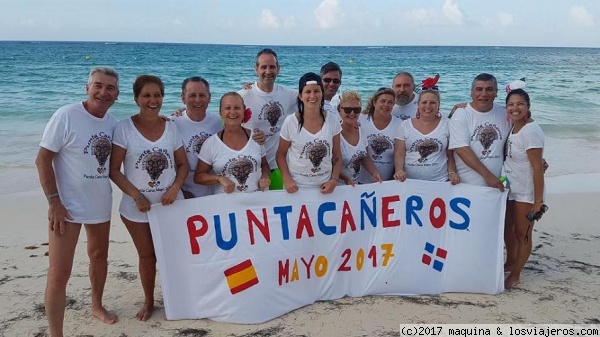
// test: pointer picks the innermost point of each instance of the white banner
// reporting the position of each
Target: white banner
(251, 257)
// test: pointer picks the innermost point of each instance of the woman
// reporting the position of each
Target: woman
(525, 175)
(309, 153)
(353, 143)
(230, 158)
(155, 168)
(421, 146)
(379, 127)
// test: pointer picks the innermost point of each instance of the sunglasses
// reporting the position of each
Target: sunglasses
(348, 110)
(334, 80)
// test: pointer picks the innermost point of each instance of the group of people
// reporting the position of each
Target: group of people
(269, 136)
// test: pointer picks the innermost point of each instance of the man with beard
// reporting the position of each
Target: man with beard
(478, 133)
(407, 101)
(270, 104)
(71, 163)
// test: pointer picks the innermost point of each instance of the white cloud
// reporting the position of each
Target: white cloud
(178, 22)
(581, 17)
(452, 12)
(327, 13)
(505, 19)
(268, 20)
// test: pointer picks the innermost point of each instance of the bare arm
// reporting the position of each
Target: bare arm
(535, 158)
(452, 174)
(399, 159)
(182, 170)
(264, 181)
(204, 176)
(468, 156)
(280, 158)
(57, 213)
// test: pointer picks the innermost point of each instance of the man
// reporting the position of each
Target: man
(478, 133)
(72, 165)
(270, 104)
(406, 99)
(195, 126)
(331, 74)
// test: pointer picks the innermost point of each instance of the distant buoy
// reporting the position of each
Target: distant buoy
(351, 61)
(88, 57)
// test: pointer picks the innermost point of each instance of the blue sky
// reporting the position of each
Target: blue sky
(307, 22)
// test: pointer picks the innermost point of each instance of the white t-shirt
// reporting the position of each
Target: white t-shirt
(425, 157)
(269, 109)
(517, 166)
(381, 147)
(331, 106)
(353, 157)
(149, 166)
(242, 167)
(407, 111)
(194, 134)
(485, 133)
(309, 155)
(82, 143)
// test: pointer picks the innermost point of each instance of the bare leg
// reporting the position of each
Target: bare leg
(523, 231)
(61, 250)
(142, 239)
(510, 238)
(97, 247)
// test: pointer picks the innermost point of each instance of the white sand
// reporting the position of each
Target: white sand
(560, 284)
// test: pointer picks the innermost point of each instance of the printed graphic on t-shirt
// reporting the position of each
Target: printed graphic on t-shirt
(241, 168)
(425, 147)
(486, 134)
(271, 112)
(99, 146)
(195, 143)
(154, 162)
(404, 117)
(508, 149)
(315, 152)
(355, 163)
(379, 143)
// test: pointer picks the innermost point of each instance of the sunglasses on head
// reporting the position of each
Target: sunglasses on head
(334, 80)
(348, 110)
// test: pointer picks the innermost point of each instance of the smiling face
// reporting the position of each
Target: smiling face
(102, 93)
(517, 108)
(384, 104)
(267, 70)
(232, 110)
(311, 96)
(429, 105)
(196, 97)
(483, 94)
(349, 112)
(150, 99)
(331, 83)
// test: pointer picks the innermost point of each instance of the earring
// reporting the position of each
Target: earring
(438, 114)
(418, 114)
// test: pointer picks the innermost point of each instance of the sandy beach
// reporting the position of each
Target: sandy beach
(560, 284)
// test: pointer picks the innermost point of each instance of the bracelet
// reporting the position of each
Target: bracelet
(449, 173)
(218, 177)
(51, 196)
(539, 201)
(138, 196)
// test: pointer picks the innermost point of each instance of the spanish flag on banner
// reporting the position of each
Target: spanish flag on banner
(241, 277)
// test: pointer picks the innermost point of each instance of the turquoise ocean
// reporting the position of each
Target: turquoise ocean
(36, 78)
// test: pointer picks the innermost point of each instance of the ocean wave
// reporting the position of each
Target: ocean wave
(587, 131)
